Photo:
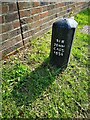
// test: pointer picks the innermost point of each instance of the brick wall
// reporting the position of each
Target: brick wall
(25, 20)
(11, 33)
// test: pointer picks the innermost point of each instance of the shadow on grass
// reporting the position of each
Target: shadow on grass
(32, 85)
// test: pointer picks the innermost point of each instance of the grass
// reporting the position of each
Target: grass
(32, 88)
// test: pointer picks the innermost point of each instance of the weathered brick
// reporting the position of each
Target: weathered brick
(6, 27)
(41, 21)
(49, 7)
(14, 33)
(37, 29)
(24, 13)
(29, 4)
(40, 33)
(51, 23)
(58, 5)
(36, 10)
(66, 3)
(11, 48)
(12, 7)
(61, 4)
(44, 8)
(0, 28)
(73, 5)
(36, 17)
(43, 26)
(5, 52)
(11, 17)
(64, 8)
(30, 33)
(34, 25)
(30, 26)
(45, 19)
(0, 38)
(18, 38)
(5, 36)
(4, 9)
(0, 55)
(1, 19)
(59, 10)
(16, 24)
(11, 42)
(30, 20)
(6, 44)
(51, 17)
(0, 8)
(63, 13)
(23, 5)
(18, 45)
(35, 4)
(52, 11)
(44, 14)
(37, 23)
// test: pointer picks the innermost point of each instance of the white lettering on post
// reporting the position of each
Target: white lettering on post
(58, 48)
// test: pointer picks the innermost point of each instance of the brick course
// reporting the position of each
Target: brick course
(5, 8)
(34, 19)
